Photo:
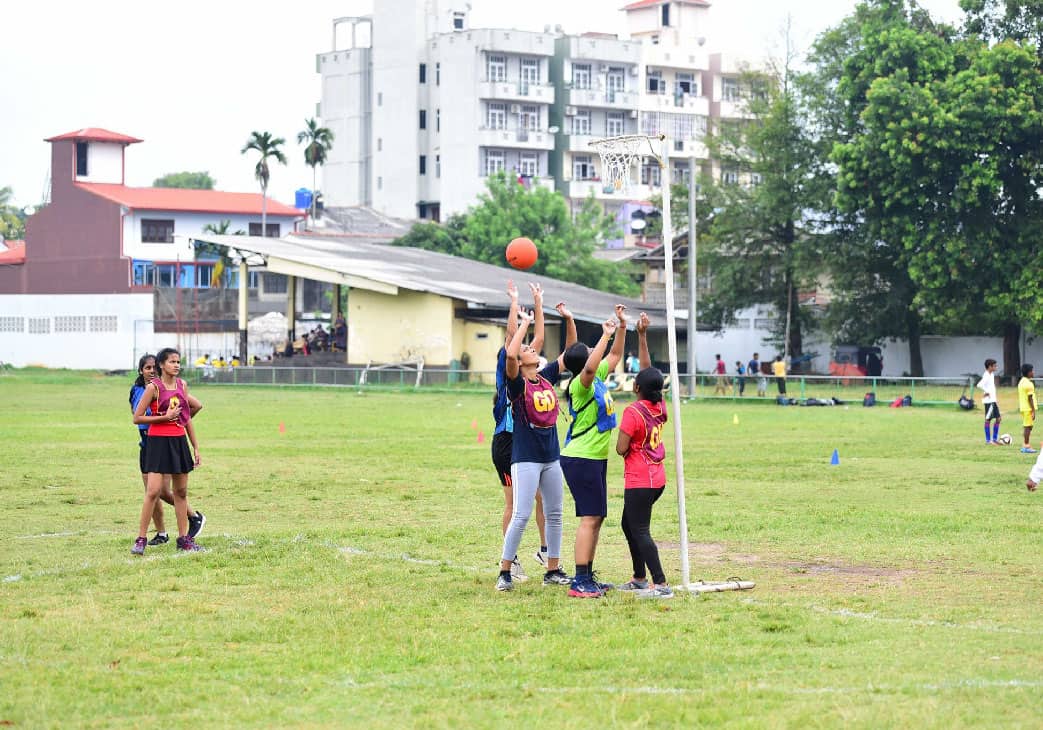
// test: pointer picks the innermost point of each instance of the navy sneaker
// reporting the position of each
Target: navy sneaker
(605, 587)
(195, 524)
(160, 539)
(583, 586)
(139, 547)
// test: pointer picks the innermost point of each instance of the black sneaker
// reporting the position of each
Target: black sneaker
(556, 577)
(160, 539)
(195, 524)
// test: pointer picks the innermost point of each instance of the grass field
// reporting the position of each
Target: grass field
(351, 563)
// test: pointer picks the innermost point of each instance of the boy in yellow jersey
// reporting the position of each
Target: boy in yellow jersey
(778, 369)
(1027, 405)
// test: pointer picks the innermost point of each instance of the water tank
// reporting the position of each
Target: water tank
(302, 199)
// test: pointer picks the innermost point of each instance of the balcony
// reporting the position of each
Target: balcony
(583, 188)
(676, 103)
(608, 98)
(516, 138)
(532, 93)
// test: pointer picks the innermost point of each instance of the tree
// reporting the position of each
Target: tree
(268, 147)
(508, 210)
(761, 244)
(319, 142)
(12, 219)
(192, 180)
(996, 20)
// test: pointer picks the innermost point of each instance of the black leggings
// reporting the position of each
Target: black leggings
(637, 514)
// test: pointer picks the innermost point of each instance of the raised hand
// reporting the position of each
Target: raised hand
(525, 317)
(621, 314)
(642, 323)
(609, 327)
(562, 310)
(512, 290)
(537, 293)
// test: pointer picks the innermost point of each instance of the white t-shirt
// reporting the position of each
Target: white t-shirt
(987, 386)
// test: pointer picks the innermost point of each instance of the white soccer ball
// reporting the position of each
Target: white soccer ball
(1005, 439)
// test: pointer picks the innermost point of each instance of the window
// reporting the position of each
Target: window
(252, 279)
(273, 230)
(581, 76)
(71, 323)
(666, 15)
(12, 324)
(614, 82)
(204, 275)
(157, 231)
(423, 73)
(679, 173)
(655, 83)
(529, 164)
(730, 89)
(380, 143)
(438, 74)
(582, 167)
(756, 179)
(423, 118)
(423, 164)
(144, 273)
(581, 122)
(275, 284)
(438, 120)
(104, 323)
(763, 323)
(496, 116)
(39, 325)
(166, 275)
(493, 162)
(614, 124)
(729, 175)
(685, 83)
(81, 159)
(496, 68)
(678, 145)
(380, 98)
(438, 165)
(380, 183)
(530, 73)
(529, 119)
(650, 172)
(458, 21)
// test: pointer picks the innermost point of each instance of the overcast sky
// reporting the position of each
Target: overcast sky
(194, 78)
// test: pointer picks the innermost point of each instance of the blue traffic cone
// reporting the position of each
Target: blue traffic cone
(835, 459)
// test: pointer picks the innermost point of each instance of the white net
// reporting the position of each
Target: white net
(618, 155)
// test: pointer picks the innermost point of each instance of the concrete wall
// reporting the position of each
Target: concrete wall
(104, 163)
(347, 110)
(384, 328)
(185, 224)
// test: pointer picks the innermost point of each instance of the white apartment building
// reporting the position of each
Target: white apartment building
(424, 108)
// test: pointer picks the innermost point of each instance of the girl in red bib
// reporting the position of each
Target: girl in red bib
(166, 452)
(640, 443)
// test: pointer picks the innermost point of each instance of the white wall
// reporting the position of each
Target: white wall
(185, 224)
(346, 109)
(104, 163)
(955, 356)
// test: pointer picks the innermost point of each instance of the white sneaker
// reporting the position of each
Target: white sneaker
(517, 572)
(504, 584)
(657, 591)
(541, 557)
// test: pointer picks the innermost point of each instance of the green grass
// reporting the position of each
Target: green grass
(349, 578)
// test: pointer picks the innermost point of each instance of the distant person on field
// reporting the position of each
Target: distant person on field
(1027, 405)
(740, 379)
(778, 369)
(987, 386)
(340, 333)
(640, 443)
(721, 385)
(753, 368)
(633, 364)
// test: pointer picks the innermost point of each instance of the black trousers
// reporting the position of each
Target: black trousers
(637, 516)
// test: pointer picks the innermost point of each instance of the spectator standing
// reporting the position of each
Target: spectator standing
(721, 385)
(753, 368)
(740, 380)
(1027, 405)
(778, 369)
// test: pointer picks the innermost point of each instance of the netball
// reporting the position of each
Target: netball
(522, 253)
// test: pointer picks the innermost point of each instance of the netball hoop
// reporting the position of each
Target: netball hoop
(618, 155)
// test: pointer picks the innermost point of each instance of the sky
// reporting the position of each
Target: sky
(194, 78)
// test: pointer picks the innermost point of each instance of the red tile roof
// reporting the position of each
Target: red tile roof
(95, 134)
(180, 199)
(13, 254)
(649, 3)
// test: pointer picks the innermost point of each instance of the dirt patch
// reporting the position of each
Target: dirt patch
(711, 553)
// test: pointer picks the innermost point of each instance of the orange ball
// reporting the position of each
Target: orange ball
(522, 253)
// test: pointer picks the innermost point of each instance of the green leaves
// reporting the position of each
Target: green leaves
(192, 180)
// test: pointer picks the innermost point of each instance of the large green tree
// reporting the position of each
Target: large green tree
(997, 20)
(318, 142)
(193, 180)
(268, 148)
(12, 219)
(507, 210)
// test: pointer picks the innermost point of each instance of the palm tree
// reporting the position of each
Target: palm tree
(268, 147)
(319, 141)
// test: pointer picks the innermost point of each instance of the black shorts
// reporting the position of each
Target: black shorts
(992, 411)
(588, 483)
(141, 451)
(503, 443)
(167, 455)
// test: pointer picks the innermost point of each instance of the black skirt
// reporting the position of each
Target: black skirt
(167, 455)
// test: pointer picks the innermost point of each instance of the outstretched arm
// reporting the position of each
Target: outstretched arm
(512, 312)
(537, 310)
(642, 341)
(514, 346)
(570, 331)
(590, 369)
(616, 353)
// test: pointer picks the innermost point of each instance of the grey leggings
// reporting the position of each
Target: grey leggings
(527, 477)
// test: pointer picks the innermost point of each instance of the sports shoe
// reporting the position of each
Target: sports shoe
(139, 547)
(659, 591)
(518, 572)
(504, 583)
(1027, 450)
(159, 539)
(583, 586)
(195, 524)
(541, 557)
(187, 544)
(634, 585)
(556, 577)
(605, 587)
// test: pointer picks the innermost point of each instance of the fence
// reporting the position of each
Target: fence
(924, 391)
